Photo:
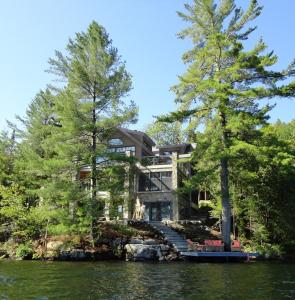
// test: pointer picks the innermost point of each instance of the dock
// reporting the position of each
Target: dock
(219, 256)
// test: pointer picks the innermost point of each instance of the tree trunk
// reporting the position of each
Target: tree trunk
(93, 170)
(225, 202)
(225, 198)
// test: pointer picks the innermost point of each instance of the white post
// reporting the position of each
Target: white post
(175, 204)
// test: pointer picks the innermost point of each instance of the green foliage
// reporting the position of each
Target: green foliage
(89, 109)
(165, 133)
(7, 146)
(119, 229)
(221, 91)
(24, 251)
(66, 128)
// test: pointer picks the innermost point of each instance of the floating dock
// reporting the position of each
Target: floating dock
(219, 256)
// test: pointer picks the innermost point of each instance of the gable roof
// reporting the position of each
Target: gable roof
(134, 136)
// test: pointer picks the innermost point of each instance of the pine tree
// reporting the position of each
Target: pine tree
(7, 149)
(223, 83)
(165, 134)
(91, 105)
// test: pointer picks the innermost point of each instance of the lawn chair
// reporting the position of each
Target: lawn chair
(214, 245)
(236, 246)
(193, 246)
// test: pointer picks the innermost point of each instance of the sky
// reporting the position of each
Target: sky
(145, 33)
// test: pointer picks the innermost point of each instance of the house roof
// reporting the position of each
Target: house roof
(134, 135)
(181, 147)
(137, 133)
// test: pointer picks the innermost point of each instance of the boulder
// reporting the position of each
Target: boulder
(144, 252)
(135, 241)
(139, 252)
(75, 254)
(150, 242)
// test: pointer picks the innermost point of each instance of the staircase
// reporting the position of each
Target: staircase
(171, 236)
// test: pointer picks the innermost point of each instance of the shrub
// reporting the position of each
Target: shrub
(24, 251)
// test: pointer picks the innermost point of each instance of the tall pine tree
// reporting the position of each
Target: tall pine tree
(223, 84)
(91, 106)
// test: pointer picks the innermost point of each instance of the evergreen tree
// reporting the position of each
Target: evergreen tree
(223, 84)
(165, 134)
(91, 106)
(262, 188)
(7, 149)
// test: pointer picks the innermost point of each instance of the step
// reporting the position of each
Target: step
(179, 245)
(174, 238)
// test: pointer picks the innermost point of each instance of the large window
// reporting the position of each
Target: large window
(115, 142)
(155, 181)
(122, 149)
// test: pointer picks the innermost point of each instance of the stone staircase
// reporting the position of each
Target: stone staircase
(171, 236)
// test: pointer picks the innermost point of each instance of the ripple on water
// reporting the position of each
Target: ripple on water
(119, 280)
(6, 280)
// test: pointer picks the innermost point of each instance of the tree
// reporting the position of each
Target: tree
(7, 149)
(91, 106)
(165, 133)
(262, 185)
(223, 84)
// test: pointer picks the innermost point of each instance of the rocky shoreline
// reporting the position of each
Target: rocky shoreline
(135, 242)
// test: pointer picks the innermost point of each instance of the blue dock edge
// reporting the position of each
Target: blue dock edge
(216, 255)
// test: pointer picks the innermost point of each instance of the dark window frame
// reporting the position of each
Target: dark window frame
(146, 183)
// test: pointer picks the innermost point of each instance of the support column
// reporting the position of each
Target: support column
(128, 191)
(175, 204)
(107, 204)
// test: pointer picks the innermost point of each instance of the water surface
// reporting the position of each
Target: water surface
(121, 280)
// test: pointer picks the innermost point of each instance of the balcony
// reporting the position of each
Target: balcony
(156, 160)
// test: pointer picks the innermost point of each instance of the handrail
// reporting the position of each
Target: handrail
(157, 160)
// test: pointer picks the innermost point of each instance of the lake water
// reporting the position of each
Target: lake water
(122, 280)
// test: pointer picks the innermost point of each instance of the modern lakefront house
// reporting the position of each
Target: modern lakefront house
(154, 179)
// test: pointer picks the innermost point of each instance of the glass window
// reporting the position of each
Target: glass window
(155, 175)
(100, 159)
(122, 149)
(115, 142)
(166, 174)
(167, 153)
(155, 181)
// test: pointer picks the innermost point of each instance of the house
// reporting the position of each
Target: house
(156, 176)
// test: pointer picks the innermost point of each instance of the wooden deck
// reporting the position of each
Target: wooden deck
(218, 256)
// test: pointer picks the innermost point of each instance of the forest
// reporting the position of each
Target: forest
(246, 163)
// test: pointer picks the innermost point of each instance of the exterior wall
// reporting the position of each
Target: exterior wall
(156, 196)
(128, 143)
(162, 196)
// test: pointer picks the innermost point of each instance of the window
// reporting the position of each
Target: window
(166, 174)
(167, 153)
(115, 142)
(166, 180)
(100, 159)
(155, 181)
(122, 149)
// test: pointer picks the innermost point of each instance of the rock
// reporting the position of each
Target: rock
(172, 257)
(150, 242)
(54, 245)
(135, 241)
(139, 252)
(75, 254)
(144, 252)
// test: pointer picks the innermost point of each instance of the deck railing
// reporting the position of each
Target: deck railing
(157, 160)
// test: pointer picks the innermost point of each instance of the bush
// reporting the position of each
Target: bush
(24, 251)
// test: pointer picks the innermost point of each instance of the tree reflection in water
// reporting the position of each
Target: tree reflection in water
(120, 280)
